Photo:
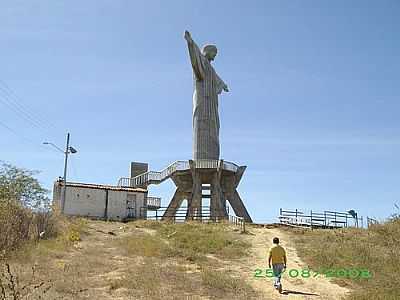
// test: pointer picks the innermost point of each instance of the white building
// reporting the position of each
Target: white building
(104, 201)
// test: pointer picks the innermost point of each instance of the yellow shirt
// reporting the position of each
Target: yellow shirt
(278, 254)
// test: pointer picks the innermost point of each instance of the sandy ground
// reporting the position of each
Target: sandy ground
(293, 288)
(98, 242)
(99, 246)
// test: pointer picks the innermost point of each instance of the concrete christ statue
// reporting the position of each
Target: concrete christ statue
(207, 87)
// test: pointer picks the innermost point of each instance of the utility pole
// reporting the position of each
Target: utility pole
(65, 175)
(68, 150)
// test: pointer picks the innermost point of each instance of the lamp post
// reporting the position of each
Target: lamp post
(354, 214)
(68, 149)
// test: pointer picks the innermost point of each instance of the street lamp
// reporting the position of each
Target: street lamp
(68, 149)
(354, 214)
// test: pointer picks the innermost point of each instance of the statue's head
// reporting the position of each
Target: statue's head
(209, 51)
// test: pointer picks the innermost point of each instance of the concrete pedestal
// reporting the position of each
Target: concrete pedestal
(193, 185)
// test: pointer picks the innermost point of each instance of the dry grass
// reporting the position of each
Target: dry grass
(21, 228)
(376, 249)
(143, 244)
(19, 225)
(193, 241)
(172, 247)
(222, 284)
(153, 279)
(143, 260)
(28, 272)
(69, 231)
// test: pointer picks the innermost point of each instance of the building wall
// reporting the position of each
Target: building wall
(140, 203)
(85, 202)
(142, 199)
(57, 194)
(99, 202)
(117, 204)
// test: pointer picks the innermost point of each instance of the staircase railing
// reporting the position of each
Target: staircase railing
(153, 177)
(154, 202)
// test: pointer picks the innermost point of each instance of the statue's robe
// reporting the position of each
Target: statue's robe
(207, 87)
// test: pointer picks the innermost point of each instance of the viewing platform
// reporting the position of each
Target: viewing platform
(157, 177)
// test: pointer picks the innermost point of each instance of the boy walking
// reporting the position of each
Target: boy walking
(277, 256)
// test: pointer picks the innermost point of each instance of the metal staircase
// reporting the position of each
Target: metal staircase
(154, 177)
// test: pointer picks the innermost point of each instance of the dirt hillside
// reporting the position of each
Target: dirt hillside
(102, 266)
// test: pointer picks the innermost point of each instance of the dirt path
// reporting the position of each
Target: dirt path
(293, 288)
(99, 242)
(88, 269)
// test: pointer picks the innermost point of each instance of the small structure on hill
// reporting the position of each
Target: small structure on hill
(104, 201)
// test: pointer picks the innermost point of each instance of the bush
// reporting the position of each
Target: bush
(19, 224)
(25, 212)
(15, 224)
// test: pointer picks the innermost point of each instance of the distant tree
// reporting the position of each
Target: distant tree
(19, 184)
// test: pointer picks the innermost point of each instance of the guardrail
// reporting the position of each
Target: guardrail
(238, 221)
(206, 164)
(154, 202)
(326, 219)
(204, 215)
(153, 177)
(371, 221)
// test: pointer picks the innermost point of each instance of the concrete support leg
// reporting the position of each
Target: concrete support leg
(238, 206)
(217, 203)
(194, 202)
(173, 205)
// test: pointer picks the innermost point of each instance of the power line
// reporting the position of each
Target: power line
(20, 111)
(12, 101)
(39, 117)
(24, 138)
(16, 101)
(5, 100)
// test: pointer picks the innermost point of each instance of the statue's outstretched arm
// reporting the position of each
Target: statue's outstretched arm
(221, 85)
(196, 58)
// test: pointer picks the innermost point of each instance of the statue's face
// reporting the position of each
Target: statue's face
(211, 54)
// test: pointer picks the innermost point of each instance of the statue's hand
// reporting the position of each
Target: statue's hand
(187, 36)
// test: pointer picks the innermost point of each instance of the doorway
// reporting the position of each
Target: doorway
(131, 206)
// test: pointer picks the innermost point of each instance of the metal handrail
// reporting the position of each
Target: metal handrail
(326, 219)
(238, 221)
(154, 201)
(153, 177)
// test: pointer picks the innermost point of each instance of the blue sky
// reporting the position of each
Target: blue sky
(312, 110)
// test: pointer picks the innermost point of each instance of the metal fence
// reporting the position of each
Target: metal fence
(326, 219)
(238, 221)
(154, 202)
(371, 221)
(204, 215)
